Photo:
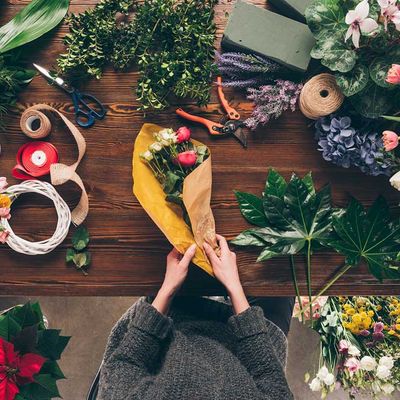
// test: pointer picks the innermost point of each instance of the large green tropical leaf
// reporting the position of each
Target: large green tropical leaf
(370, 235)
(33, 21)
(251, 208)
(296, 215)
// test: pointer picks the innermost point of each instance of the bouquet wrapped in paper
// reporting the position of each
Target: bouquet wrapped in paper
(172, 181)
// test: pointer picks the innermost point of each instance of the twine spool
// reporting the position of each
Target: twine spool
(35, 124)
(320, 96)
(63, 213)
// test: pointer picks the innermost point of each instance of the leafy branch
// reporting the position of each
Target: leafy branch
(78, 254)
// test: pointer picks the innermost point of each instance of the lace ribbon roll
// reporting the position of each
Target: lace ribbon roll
(320, 96)
(63, 213)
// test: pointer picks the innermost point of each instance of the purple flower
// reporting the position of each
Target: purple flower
(344, 145)
(270, 101)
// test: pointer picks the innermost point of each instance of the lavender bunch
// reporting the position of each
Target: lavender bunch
(270, 101)
(246, 70)
(346, 146)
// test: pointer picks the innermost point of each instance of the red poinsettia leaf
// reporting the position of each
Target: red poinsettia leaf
(29, 365)
(8, 389)
(7, 354)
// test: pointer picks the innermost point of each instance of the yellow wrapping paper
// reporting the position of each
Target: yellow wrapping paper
(168, 216)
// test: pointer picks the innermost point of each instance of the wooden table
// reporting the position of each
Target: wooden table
(128, 250)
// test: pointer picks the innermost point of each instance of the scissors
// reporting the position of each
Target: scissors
(85, 115)
(232, 126)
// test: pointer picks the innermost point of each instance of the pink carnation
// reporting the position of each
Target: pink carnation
(344, 346)
(352, 364)
(393, 75)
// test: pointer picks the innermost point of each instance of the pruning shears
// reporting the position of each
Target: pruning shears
(233, 125)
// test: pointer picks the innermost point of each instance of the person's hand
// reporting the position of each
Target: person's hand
(226, 271)
(224, 267)
(175, 275)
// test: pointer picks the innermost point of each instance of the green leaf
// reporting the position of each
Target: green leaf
(44, 385)
(251, 208)
(171, 182)
(51, 344)
(370, 236)
(391, 118)
(70, 255)
(80, 239)
(82, 260)
(354, 81)
(337, 57)
(52, 368)
(275, 185)
(33, 21)
(248, 238)
(323, 16)
(373, 101)
(378, 70)
(25, 315)
(9, 328)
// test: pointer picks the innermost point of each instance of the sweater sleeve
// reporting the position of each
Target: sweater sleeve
(126, 373)
(256, 336)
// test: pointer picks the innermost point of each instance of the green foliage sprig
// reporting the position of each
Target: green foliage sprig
(78, 254)
(171, 42)
(292, 218)
(360, 72)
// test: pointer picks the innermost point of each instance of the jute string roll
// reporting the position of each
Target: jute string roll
(29, 117)
(61, 173)
(320, 96)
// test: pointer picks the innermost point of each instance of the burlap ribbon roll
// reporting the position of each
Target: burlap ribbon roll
(35, 124)
(320, 96)
(61, 173)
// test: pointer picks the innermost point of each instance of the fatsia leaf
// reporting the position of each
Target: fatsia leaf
(249, 238)
(33, 21)
(370, 236)
(251, 208)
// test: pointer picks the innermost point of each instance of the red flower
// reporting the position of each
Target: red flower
(183, 134)
(16, 370)
(187, 158)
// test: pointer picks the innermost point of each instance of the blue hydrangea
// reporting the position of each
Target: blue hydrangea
(344, 145)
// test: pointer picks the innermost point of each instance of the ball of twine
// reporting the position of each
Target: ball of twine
(320, 96)
(35, 124)
(64, 219)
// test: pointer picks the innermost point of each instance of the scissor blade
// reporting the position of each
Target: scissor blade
(241, 136)
(46, 73)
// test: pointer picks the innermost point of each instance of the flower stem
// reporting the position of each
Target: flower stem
(309, 281)
(296, 287)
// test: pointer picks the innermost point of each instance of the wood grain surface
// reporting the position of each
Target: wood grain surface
(128, 250)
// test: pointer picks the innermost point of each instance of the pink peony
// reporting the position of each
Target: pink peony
(390, 140)
(183, 134)
(3, 236)
(187, 159)
(344, 346)
(393, 75)
(5, 213)
(352, 364)
(3, 183)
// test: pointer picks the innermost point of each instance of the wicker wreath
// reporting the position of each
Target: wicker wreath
(63, 212)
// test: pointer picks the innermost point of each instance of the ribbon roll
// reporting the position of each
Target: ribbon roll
(61, 173)
(35, 124)
(34, 159)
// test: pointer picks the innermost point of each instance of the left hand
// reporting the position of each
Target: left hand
(177, 269)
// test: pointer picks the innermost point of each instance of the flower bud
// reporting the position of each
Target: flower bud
(183, 134)
(156, 147)
(187, 158)
(393, 75)
(390, 140)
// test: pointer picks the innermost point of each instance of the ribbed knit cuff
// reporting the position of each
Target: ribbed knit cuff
(149, 320)
(248, 323)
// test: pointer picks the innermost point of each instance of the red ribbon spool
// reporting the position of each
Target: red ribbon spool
(34, 160)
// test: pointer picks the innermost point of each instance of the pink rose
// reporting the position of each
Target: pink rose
(390, 140)
(183, 134)
(187, 159)
(3, 183)
(344, 346)
(393, 75)
(3, 236)
(352, 364)
(5, 213)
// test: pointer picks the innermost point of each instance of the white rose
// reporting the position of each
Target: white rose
(315, 385)
(383, 372)
(148, 155)
(395, 180)
(353, 351)
(329, 379)
(387, 362)
(155, 147)
(368, 363)
(322, 373)
(387, 388)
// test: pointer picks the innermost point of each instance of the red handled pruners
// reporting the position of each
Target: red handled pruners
(233, 125)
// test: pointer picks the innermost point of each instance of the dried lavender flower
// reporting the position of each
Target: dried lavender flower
(345, 145)
(246, 70)
(270, 101)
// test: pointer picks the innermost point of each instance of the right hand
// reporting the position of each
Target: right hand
(224, 267)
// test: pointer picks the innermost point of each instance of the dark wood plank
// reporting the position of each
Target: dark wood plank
(128, 250)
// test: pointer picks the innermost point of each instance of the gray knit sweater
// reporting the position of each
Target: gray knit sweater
(209, 355)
